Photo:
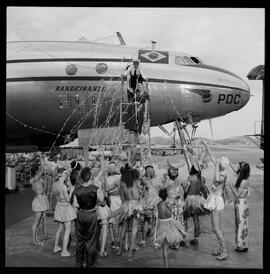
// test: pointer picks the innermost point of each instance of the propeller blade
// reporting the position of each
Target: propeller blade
(211, 127)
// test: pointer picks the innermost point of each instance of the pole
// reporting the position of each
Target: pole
(262, 123)
(121, 112)
(182, 139)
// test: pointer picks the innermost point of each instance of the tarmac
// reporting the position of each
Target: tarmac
(20, 253)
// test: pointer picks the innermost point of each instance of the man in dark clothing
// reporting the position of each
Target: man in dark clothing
(134, 75)
(134, 117)
(87, 227)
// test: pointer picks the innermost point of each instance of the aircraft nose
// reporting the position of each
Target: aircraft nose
(245, 92)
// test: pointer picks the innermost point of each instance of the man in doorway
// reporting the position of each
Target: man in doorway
(134, 75)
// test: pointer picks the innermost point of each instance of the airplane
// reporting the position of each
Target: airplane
(54, 88)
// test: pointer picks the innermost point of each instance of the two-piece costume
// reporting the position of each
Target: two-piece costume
(169, 229)
(215, 199)
(40, 203)
(215, 202)
(194, 202)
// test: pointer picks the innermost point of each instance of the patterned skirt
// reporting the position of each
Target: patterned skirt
(40, 203)
(214, 202)
(241, 223)
(64, 212)
(178, 210)
(194, 204)
(169, 229)
(132, 208)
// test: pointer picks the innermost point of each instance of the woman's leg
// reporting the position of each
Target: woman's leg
(133, 236)
(104, 230)
(165, 253)
(57, 237)
(111, 231)
(119, 228)
(145, 229)
(66, 237)
(37, 217)
(196, 226)
(216, 222)
(124, 228)
(44, 227)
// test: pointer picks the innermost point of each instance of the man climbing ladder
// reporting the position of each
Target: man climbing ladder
(134, 75)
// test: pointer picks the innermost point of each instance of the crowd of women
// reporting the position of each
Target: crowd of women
(117, 198)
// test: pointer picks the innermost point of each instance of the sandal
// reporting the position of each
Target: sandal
(103, 254)
(216, 253)
(222, 256)
(67, 255)
(57, 250)
(131, 259)
(37, 243)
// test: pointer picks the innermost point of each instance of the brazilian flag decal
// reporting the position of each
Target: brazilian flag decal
(154, 56)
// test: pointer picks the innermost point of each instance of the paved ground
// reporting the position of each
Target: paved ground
(19, 252)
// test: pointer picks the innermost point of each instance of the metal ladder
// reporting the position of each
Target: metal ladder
(144, 143)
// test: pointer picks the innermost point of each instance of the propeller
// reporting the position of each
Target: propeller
(211, 127)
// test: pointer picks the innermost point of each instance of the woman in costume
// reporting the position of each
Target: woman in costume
(241, 208)
(219, 195)
(168, 231)
(194, 202)
(64, 213)
(103, 211)
(40, 203)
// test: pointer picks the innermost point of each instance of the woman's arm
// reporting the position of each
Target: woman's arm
(233, 167)
(186, 186)
(213, 159)
(65, 193)
(40, 171)
(217, 172)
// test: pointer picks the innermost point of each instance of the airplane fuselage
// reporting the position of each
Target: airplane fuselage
(64, 86)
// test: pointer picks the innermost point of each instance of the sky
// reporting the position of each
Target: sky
(230, 38)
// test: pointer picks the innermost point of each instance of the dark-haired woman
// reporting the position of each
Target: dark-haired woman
(131, 207)
(241, 206)
(169, 231)
(194, 202)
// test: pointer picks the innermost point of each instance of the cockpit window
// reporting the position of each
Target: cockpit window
(188, 60)
(183, 60)
(195, 60)
(179, 60)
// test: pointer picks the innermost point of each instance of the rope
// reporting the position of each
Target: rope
(34, 128)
